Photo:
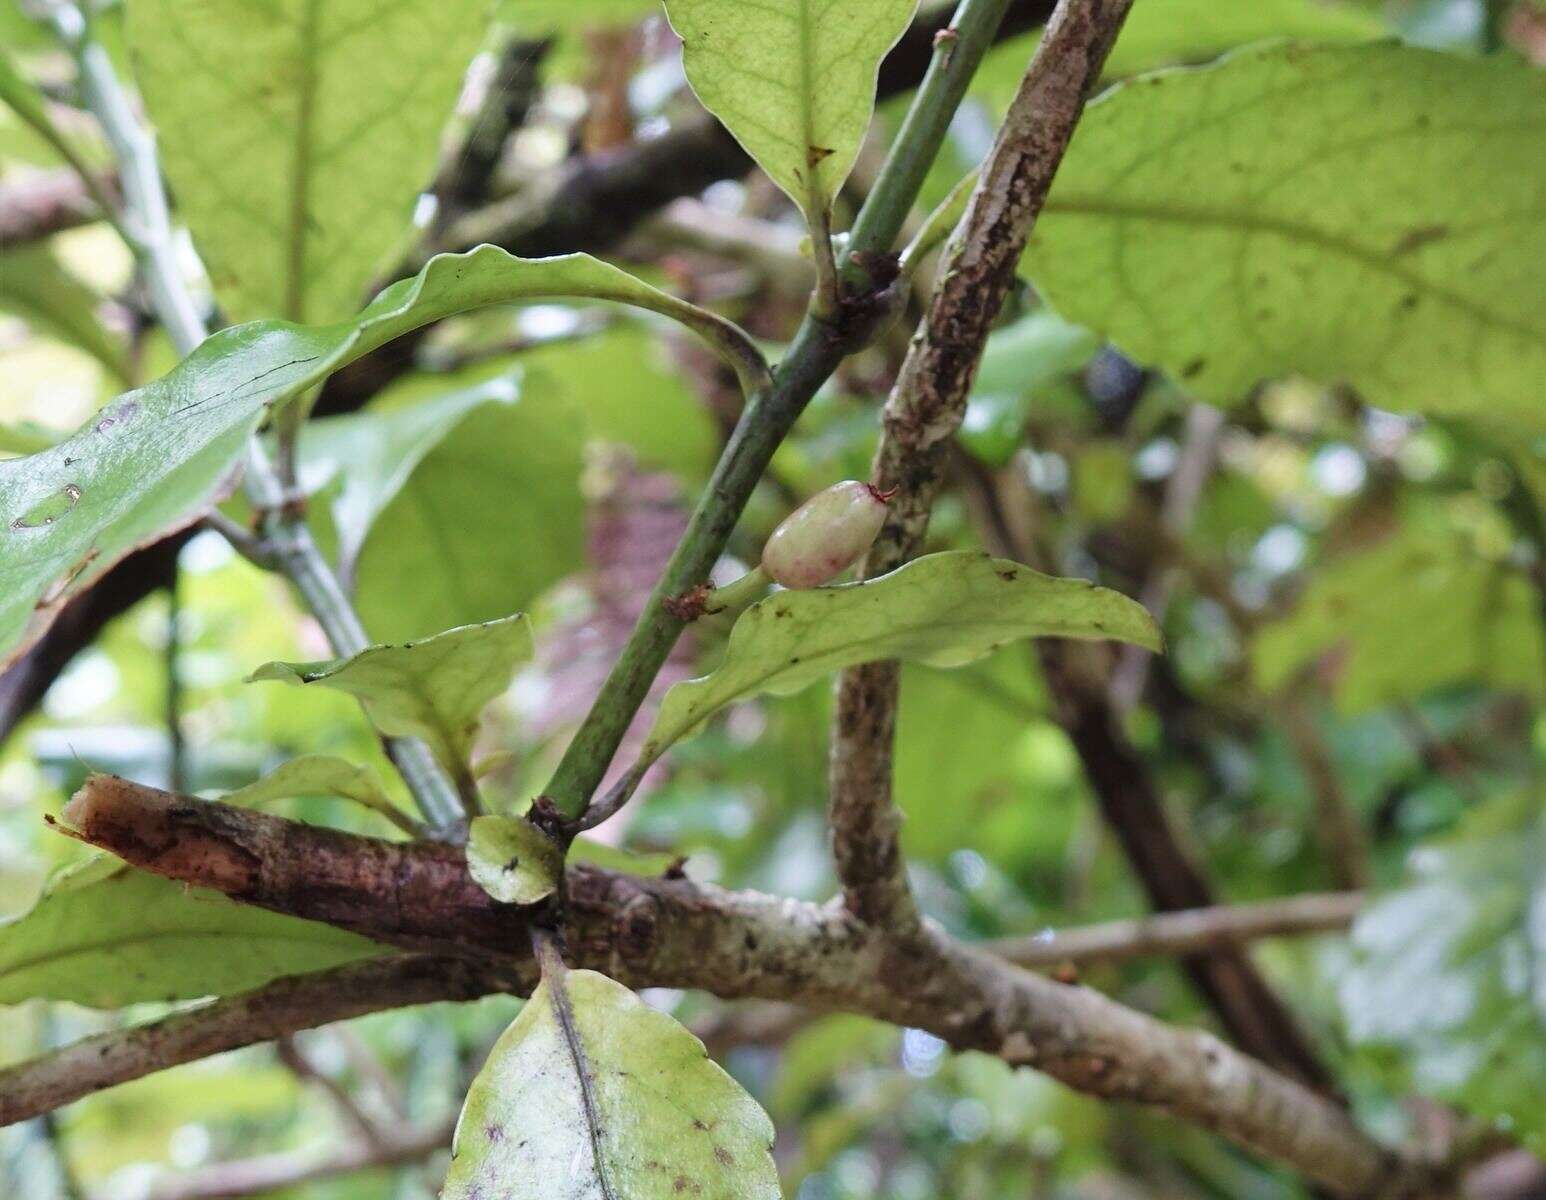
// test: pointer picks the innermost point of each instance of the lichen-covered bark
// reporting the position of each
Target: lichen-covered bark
(925, 410)
(671, 932)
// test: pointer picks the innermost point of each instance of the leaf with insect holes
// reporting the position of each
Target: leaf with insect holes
(433, 689)
(298, 135)
(105, 935)
(512, 860)
(1367, 215)
(941, 610)
(793, 80)
(592, 1093)
(156, 456)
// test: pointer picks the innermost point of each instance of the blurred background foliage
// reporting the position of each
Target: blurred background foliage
(1354, 632)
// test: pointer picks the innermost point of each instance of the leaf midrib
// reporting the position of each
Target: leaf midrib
(563, 1012)
(1203, 216)
(300, 173)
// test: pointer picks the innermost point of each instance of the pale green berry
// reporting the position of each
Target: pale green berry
(826, 535)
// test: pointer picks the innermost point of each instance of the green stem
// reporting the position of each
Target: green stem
(818, 348)
(287, 537)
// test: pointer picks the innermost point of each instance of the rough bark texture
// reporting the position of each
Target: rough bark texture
(671, 932)
(925, 410)
(299, 1002)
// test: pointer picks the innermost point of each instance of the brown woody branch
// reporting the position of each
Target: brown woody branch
(925, 410)
(40, 1085)
(674, 933)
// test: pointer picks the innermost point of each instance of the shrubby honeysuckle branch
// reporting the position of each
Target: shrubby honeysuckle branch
(671, 932)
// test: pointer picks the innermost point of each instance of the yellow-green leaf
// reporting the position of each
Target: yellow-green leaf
(433, 689)
(106, 935)
(591, 1092)
(1358, 214)
(942, 610)
(298, 134)
(793, 80)
(512, 860)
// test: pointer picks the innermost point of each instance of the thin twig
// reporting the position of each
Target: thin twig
(295, 1060)
(1190, 931)
(924, 411)
(279, 1172)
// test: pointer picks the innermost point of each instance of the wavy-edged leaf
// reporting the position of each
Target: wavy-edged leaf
(322, 775)
(433, 689)
(35, 286)
(106, 935)
(512, 860)
(793, 80)
(1367, 214)
(156, 455)
(298, 134)
(941, 610)
(1450, 968)
(592, 1093)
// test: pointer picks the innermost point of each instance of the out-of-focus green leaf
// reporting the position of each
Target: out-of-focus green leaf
(1204, 222)
(1417, 612)
(27, 437)
(156, 455)
(35, 286)
(630, 395)
(371, 456)
(942, 610)
(593, 1088)
(298, 135)
(512, 860)
(1019, 360)
(793, 80)
(433, 689)
(106, 935)
(321, 775)
(1450, 969)
(490, 519)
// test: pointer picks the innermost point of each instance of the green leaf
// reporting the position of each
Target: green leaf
(1019, 361)
(1161, 33)
(322, 775)
(434, 689)
(1205, 222)
(157, 455)
(105, 935)
(1479, 621)
(35, 286)
(297, 135)
(593, 1091)
(793, 80)
(490, 519)
(372, 455)
(512, 860)
(942, 610)
(1450, 969)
